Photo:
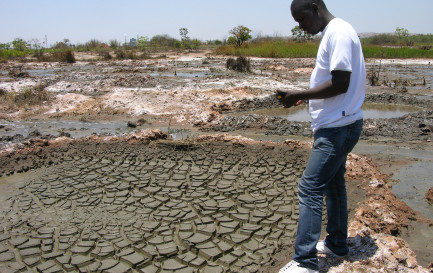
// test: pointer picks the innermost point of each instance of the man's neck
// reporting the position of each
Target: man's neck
(328, 17)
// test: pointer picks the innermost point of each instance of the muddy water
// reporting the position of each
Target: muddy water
(76, 129)
(371, 111)
(415, 180)
(415, 73)
(411, 173)
(412, 179)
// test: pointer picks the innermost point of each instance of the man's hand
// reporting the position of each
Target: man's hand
(287, 98)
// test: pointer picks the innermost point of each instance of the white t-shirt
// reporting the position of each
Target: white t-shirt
(340, 49)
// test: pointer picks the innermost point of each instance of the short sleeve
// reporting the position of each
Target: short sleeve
(340, 51)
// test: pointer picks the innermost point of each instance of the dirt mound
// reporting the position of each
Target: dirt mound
(415, 126)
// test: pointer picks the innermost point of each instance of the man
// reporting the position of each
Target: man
(336, 94)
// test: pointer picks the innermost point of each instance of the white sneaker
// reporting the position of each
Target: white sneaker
(323, 249)
(294, 267)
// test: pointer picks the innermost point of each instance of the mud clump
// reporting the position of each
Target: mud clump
(409, 127)
(429, 196)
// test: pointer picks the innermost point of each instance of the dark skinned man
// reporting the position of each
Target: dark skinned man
(336, 94)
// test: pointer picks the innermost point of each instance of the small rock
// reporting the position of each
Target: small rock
(132, 124)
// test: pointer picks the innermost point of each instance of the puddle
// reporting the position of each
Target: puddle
(41, 72)
(79, 129)
(76, 129)
(415, 181)
(4, 75)
(182, 74)
(300, 113)
(183, 134)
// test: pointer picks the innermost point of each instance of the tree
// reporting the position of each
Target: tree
(195, 43)
(184, 37)
(19, 44)
(162, 41)
(231, 40)
(241, 34)
(177, 44)
(401, 33)
(5, 46)
(299, 34)
(142, 42)
(36, 44)
(61, 45)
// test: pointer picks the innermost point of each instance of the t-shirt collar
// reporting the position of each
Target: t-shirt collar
(327, 26)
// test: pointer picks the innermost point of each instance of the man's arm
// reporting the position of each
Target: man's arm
(337, 85)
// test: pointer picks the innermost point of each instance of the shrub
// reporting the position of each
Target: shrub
(105, 55)
(241, 64)
(69, 57)
(124, 55)
(63, 56)
(57, 56)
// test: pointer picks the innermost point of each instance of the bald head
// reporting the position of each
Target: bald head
(312, 15)
(302, 4)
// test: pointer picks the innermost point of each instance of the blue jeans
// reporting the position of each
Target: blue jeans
(324, 175)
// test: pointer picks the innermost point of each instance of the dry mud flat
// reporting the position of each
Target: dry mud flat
(216, 204)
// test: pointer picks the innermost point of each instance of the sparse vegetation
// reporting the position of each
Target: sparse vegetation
(399, 44)
(28, 96)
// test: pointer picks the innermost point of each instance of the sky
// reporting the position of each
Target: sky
(105, 20)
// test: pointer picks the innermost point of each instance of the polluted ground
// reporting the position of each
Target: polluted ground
(179, 163)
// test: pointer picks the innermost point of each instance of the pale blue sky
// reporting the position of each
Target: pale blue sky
(82, 20)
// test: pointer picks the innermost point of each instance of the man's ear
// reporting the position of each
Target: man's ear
(315, 7)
